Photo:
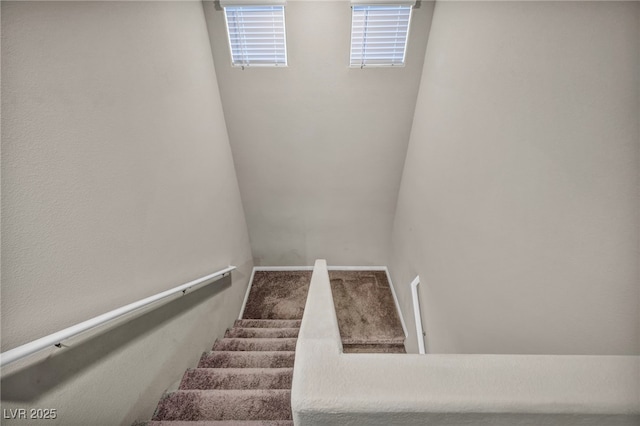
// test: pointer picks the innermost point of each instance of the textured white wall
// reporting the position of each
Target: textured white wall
(117, 183)
(519, 204)
(319, 147)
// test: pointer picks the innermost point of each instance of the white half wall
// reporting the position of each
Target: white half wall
(519, 205)
(333, 388)
(319, 147)
(117, 183)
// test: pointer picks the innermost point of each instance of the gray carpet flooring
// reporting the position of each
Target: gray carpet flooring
(367, 316)
(277, 295)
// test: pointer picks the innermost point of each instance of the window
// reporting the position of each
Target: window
(256, 35)
(379, 34)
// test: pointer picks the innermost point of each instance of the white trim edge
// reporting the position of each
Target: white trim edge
(283, 268)
(310, 268)
(356, 268)
(417, 315)
(246, 295)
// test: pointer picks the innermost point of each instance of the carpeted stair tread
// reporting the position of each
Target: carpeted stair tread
(237, 378)
(376, 341)
(247, 359)
(374, 348)
(260, 323)
(263, 404)
(219, 423)
(250, 333)
(255, 344)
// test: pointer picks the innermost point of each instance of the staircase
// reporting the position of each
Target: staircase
(245, 380)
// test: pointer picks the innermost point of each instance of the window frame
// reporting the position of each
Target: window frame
(374, 4)
(284, 27)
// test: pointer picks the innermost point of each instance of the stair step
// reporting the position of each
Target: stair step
(260, 323)
(250, 333)
(259, 344)
(220, 423)
(247, 359)
(374, 341)
(263, 404)
(374, 348)
(237, 378)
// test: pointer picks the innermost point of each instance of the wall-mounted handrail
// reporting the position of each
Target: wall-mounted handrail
(55, 339)
(417, 314)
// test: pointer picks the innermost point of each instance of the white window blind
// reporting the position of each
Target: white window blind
(379, 34)
(256, 35)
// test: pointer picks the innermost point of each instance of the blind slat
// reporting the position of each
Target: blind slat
(379, 34)
(256, 35)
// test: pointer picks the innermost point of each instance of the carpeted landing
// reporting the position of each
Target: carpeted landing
(245, 380)
(367, 316)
